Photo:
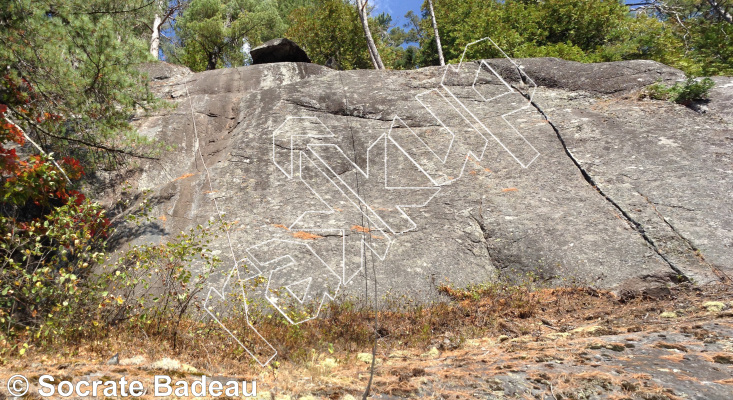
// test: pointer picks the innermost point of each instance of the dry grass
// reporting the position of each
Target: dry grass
(482, 312)
(345, 328)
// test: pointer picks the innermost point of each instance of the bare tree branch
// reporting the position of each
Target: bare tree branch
(98, 146)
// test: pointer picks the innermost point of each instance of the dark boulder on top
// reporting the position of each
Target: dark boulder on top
(278, 50)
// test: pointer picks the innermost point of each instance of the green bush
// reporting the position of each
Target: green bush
(45, 288)
(681, 92)
(58, 285)
(155, 285)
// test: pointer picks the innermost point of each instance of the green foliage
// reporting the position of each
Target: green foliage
(711, 48)
(681, 33)
(285, 7)
(50, 237)
(70, 83)
(46, 263)
(681, 92)
(705, 47)
(410, 59)
(390, 39)
(213, 32)
(70, 75)
(580, 30)
(154, 285)
(55, 285)
(588, 24)
(330, 29)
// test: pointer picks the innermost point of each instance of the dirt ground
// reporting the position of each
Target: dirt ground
(577, 344)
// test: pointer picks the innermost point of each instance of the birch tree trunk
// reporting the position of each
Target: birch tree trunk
(155, 38)
(437, 36)
(373, 52)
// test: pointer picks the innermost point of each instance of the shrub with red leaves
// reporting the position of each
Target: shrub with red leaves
(50, 236)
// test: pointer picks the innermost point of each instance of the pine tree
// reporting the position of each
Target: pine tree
(70, 74)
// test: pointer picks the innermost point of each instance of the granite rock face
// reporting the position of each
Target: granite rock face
(433, 176)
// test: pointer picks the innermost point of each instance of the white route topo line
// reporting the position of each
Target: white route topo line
(311, 160)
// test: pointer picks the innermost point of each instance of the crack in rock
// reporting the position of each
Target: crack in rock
(692, 248)
(637, 226)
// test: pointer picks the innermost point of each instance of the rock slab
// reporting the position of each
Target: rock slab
(434, 176)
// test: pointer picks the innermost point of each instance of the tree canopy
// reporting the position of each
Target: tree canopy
(689, 34)
(212, 33)
(329, 30)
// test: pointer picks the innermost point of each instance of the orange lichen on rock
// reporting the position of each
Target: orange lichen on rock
(359, 228)
(306, 235)
(184, 176)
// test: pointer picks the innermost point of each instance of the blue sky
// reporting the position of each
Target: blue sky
(396, 8)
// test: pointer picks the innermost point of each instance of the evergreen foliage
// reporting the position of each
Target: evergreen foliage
(212, 33)
(70, 85)
(685, 92)
(69, 74)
